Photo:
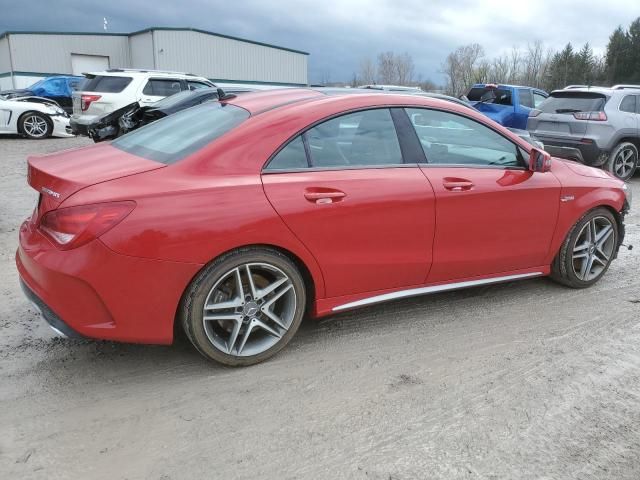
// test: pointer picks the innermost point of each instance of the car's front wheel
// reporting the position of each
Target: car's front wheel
(36, 125)
(588, 250)
(623, 161)
(244, 307)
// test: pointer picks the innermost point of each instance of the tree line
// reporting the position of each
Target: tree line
(534, 66)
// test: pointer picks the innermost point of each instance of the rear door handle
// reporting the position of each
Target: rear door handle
(321, 196)
(458, 186)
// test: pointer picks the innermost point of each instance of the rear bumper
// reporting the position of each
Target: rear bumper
(54, 321)
(94, 292)
(587, 153)
(78, 128)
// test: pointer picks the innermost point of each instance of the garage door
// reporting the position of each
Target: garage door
(88, 63)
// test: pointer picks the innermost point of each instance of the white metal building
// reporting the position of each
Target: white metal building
(26, 57)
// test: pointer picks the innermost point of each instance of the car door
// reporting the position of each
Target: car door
(158, 88)
(493, 215)
(344, 189)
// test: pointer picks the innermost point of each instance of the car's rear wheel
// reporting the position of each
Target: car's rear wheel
(623, 161)
(588, 250)
(245, 306)
(35, 125)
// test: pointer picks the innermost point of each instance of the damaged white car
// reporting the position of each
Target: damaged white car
(33, 117)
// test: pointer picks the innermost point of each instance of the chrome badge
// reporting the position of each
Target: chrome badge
(50, 192)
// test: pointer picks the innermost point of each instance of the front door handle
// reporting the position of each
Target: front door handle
(321, 196)
(458, 186)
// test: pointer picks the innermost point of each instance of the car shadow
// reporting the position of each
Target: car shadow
(58, 359)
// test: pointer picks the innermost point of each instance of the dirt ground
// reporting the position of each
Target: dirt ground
(524, 380)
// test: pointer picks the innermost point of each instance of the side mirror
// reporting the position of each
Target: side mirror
(539, 160)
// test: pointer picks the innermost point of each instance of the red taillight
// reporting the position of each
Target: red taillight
(72, 227)
(596, 116)
(535, 112)
(86, 100)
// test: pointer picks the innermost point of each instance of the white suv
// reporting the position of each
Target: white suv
(104, 92)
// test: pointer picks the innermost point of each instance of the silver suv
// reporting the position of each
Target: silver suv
(105, 92)
(594, 125)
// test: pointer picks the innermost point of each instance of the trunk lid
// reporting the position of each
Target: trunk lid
(58, 176)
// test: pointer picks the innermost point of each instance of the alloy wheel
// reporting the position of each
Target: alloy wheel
(593, 249)
(624, 163)
(35, 126)
(249, 309)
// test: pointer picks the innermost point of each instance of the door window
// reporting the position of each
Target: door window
(291, 156)
(538, 99)
(366, 138)
(628, 104)
(161, 87)
(449, 139)
(193, 85)
(525, 97)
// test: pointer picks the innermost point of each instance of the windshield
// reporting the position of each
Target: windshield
(498, 96)
(178, 135)
(106, 83)
(573, 102)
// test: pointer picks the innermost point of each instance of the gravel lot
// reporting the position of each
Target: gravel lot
(525, 380)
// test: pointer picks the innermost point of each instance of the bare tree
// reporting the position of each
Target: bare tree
(460, 68)
(515, 65)
(367, 72)
(405, 69)
(387, 71)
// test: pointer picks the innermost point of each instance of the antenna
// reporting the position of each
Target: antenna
(105, 24)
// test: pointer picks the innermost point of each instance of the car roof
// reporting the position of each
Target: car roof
(269, 100)
(123, 72)
(604, 90)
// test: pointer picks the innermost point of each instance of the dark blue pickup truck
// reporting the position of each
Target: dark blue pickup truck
(509, 105)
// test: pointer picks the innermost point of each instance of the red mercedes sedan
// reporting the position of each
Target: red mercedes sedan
(235, 219)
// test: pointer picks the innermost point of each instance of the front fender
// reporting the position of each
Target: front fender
(575, 202)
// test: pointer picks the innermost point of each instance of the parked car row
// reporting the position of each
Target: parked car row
(593, 125)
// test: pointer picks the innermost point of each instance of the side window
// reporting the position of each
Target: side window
(291, 156)
(161, 87)
(628, 104)
(538, 99)
(525, 97)
(366, 138)
(449, 139)
(192, 85)
(73, 85)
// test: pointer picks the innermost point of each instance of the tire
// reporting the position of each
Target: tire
(623, 160)
(568, 268)
(216, 287)
(35, 125)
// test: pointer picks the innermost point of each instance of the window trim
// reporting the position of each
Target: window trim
(518, 147)
(312, 168)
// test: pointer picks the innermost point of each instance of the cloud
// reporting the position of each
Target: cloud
(340, 33)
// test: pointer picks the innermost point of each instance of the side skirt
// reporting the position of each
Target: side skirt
(412, 292)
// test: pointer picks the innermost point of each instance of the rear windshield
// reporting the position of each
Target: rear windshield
(178, 135)
(498, 96)
(572, 102)
(106, 84)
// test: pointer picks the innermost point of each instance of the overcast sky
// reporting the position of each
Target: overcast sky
(339, 34)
